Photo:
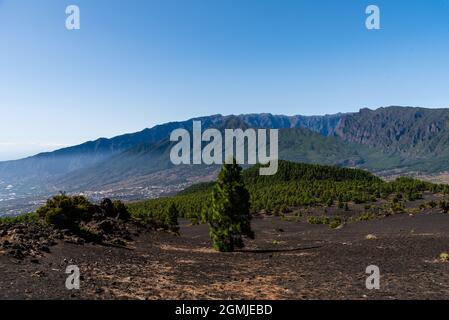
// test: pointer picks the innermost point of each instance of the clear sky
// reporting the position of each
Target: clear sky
(137, 63)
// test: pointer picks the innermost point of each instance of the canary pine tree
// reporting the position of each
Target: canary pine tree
(229, 216)
(171, 218)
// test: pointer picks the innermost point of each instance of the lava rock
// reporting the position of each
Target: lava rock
(107, 226)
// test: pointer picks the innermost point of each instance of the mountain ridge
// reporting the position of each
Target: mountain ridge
(387, 141)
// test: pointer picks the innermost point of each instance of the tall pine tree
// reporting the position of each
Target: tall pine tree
(229, 218)
(171, 218)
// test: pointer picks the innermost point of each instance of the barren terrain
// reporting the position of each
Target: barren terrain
(289, 259)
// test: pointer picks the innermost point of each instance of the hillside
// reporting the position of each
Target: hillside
(411, 133)
(414, 132)
(62, 161)
(297, 185)
(49, 165)
(142, 161)
(309, 220)
(388, 141)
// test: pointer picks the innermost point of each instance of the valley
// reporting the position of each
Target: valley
(390, 142)
(317, 228)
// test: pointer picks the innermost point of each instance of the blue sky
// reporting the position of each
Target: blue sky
(138, 63)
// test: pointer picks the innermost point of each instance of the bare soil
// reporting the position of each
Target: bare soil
(289, 259)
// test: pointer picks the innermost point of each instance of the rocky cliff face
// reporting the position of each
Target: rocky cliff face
(410, 131)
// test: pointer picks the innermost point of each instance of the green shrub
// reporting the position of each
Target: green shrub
(121, 211)
(431, 204)
(171, 219)
(318, 220)
(364, 217)
(24, 218)
(65, 212)
(397, 207)
(335, 223)
(412, 196)
(444, 206)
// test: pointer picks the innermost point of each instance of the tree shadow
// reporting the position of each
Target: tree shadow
(276, 250)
